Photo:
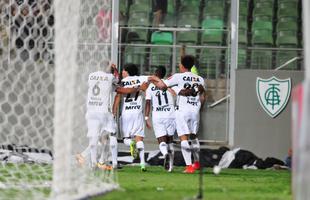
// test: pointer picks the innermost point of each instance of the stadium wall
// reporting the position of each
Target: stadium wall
(255, 130)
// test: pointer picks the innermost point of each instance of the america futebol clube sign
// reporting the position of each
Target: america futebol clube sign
(273, 94)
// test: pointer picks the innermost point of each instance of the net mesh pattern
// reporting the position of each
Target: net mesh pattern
(47, 50)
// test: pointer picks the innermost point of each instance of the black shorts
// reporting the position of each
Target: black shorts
(160, 5)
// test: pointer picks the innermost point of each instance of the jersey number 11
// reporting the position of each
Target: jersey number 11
(159, 97)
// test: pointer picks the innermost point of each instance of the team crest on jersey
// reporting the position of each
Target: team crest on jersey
(273, 94)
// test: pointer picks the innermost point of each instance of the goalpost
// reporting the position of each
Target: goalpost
(301, 120)
(47, 50)
(80, 48)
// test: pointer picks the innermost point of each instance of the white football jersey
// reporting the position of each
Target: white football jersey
(183, 81)
(132, 103)
(100, 85)
(162, 102)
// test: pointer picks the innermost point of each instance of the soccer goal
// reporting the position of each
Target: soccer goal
(47, 50)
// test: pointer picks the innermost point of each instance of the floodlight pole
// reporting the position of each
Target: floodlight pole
(233, 67)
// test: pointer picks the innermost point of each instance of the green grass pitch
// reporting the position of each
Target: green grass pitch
(230, 184)
(157, 184)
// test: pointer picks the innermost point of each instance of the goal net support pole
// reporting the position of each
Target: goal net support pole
(115, 32)
(66, 45)
(301, 121)
(83, 45)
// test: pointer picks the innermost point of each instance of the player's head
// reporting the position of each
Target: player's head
(130, 70)
(103, 65)
(187, 63)
(160, 72)
(106, 66)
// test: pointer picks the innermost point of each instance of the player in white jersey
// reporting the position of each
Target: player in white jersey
(162, 117)
(132, 122)
(99, 116)
(187, 114)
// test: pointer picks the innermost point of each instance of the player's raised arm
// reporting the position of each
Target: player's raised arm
(158, 82)
(114, 71)
(144, 86)
(122, 90)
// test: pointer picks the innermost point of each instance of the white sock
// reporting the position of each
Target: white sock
(104, 149)
(113, 148)
(187, 155)
(163, 147)
(93, 155)
(196, 149)
(93, 141)
(127, 141)
(140, 147)
(86, 152)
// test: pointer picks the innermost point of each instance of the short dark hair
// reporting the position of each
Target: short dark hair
(160, 71)
(188, 61)
(132, 69)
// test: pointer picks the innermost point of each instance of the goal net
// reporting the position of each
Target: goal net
(47, 50)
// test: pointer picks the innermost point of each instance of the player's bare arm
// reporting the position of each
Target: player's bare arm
(201, 89)
(115, 71)
(187, 92)
(202, 97)
(172, 92)
(122, 90)
(202, 100)
(158, 82)
(116, 103)
(192, 91)
(144, 86)
(147, 113)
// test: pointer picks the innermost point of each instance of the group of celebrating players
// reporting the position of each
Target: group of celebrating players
(174, 104)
